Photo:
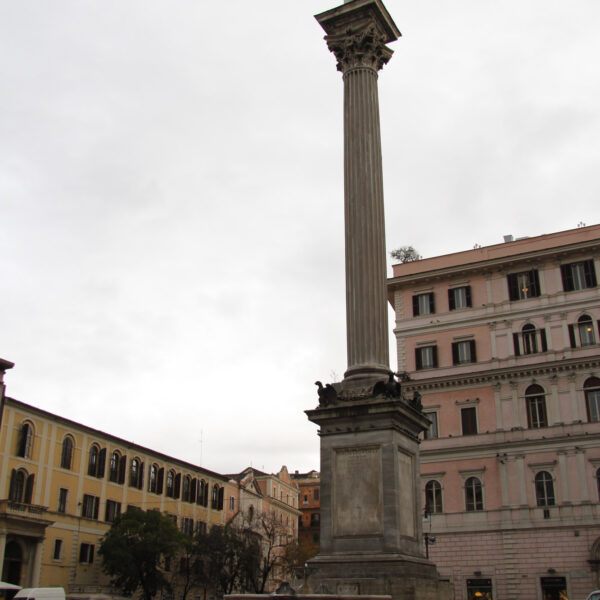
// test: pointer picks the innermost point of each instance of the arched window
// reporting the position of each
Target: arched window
(544, 489)
(185, 489)
(529, 339)
(67, 453)
(93, 461)
(134, 473)
(536, 407)
(591, 389)
(25, 441)
(473, 494)
(585, 325)
(250, 514)
(433, 497)
(153, 479)
(21, 486)
(170, 483)
(115, 461)
(215, 496)
(17, 486)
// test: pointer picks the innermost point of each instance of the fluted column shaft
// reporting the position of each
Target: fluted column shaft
(366, 302)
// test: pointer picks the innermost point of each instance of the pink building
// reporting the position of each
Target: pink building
(502, 343)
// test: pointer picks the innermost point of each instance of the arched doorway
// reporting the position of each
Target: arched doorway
(13, 559)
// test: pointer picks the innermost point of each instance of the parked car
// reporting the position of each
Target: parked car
(595, 595)
(47, 593)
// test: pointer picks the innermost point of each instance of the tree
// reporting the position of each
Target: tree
(137, 549)
(405, 254)
(270, 537)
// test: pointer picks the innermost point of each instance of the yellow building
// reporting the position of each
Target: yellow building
(62, 484)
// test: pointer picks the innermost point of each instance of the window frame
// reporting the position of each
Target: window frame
(471, 422)
(89, 506)
(57, 551)
(434, 504)
(544, 489)
(25, 443)
(468, 357)
(432, 357)
(426, 307)
(432, 432)
(86, 553)
(473, 488)
(453, 295)
(112, 511)
(591, 392)
(521, 289)
(66, 454)
(63, 498)
(584, 279)
(535, 403)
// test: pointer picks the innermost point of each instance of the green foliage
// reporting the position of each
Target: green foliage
(405, 254)
(136, 549)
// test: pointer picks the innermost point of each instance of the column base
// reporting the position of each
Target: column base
(401, 577)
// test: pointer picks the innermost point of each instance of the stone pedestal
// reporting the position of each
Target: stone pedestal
(371, 537)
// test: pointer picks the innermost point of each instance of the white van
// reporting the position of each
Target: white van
(45, 593)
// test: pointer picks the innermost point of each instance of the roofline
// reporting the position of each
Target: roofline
(114, 438)
(505, 261)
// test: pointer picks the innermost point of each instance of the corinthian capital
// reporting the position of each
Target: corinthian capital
(364, 47)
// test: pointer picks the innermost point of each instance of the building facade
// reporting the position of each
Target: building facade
(502, 343)
(268, 507)
(62, 484)
(309, 523)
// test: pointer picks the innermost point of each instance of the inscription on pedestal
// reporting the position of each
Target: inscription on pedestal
(405, 494)
(357, 505)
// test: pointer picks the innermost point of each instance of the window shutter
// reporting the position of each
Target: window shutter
(535, 279)
(431, 303)
(160, 480)
(22, 440)
(473, 353)
(193, 486)
(13, 482)
(516, 344)
(513, 288)
(221, 495)
(91, 553)
(140, 484)
(101, 463)
(455, 353)
(418, 359)
(96, 506)
(468, 295)
(572, 336)
(29, 489)
(451, 303)
(590, 273)
(82, 552)
(415, 306)
(567, 277)
(122, 468)
(543, 340)
(434, 353)
(177, 487)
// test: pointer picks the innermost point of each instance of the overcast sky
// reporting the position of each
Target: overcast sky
(171, 195)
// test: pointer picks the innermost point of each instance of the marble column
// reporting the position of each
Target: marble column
(357, 34)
